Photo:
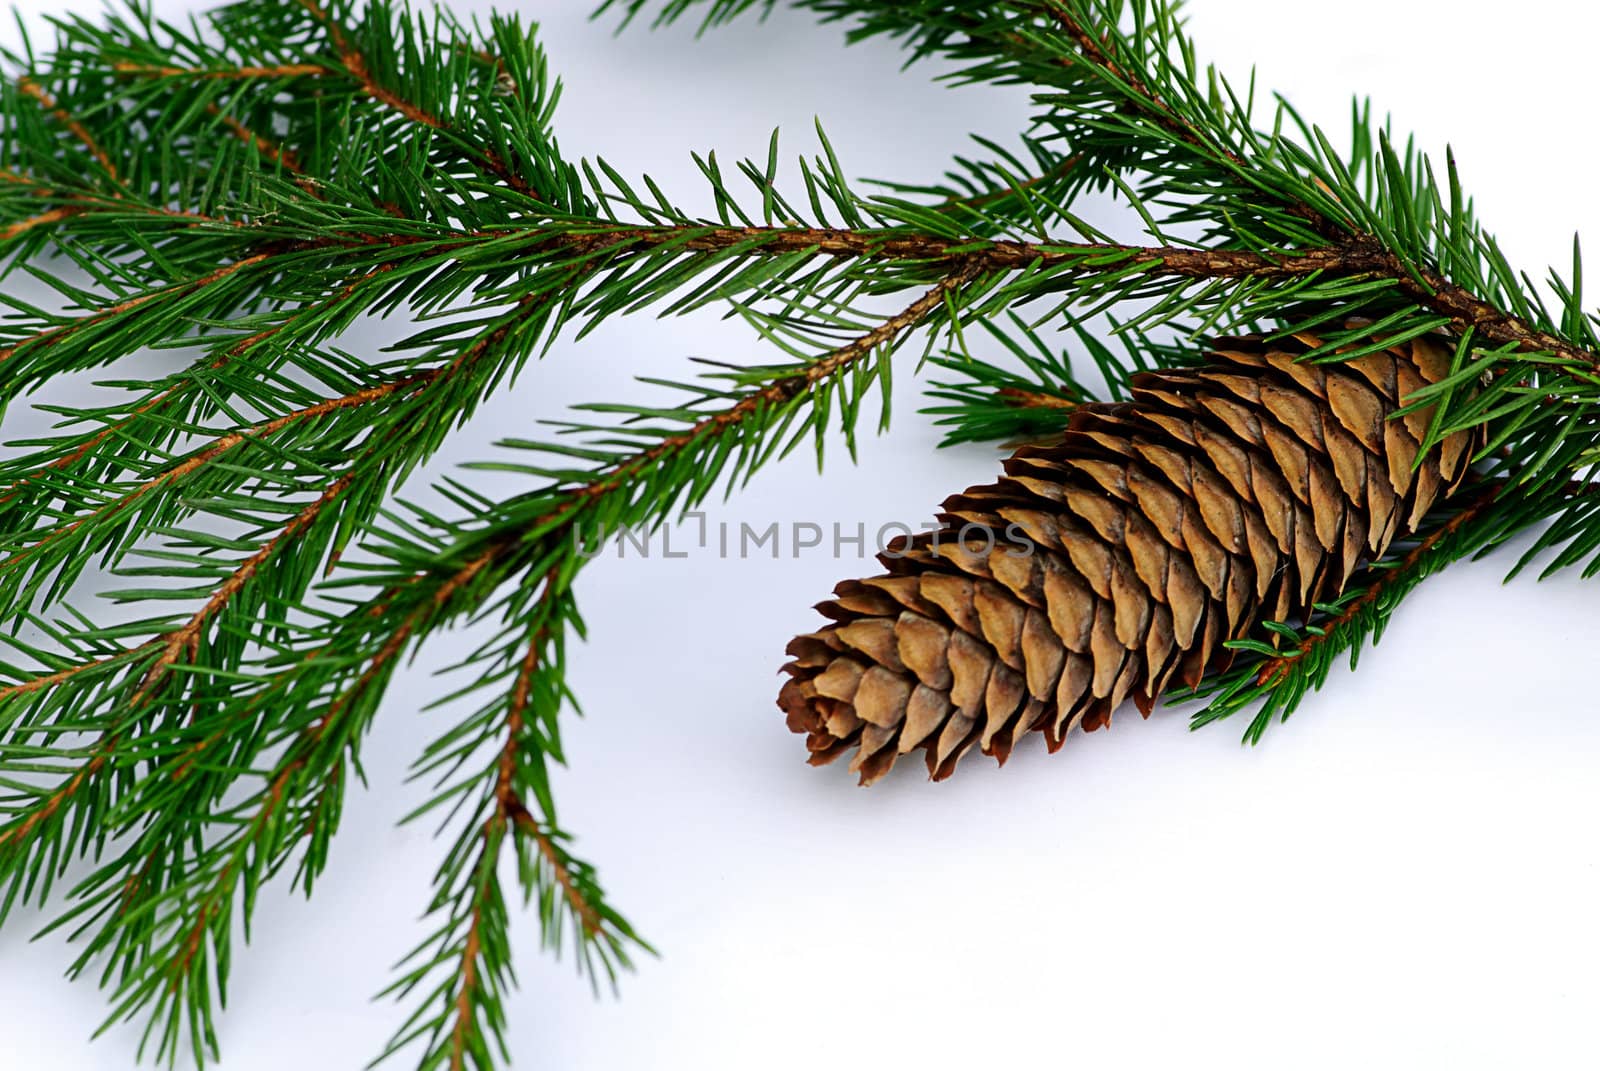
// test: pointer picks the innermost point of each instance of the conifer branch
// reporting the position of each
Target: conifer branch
(355, 62)
(481, 974)
(156, 405)
(32, 89)
(167, 648)
(215, 450)
(251, 192)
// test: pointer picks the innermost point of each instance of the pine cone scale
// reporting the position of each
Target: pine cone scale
(1124, 557)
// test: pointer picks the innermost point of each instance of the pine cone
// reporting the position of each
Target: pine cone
(1123, 557)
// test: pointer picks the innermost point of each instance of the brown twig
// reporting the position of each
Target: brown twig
(991, 256)
(82, 204)
(216, 74)
(1355, 260)
(494, 832)
(1466, 309)
(34, 684)
(527, 825)
(43, 219)
(187, 636)
(56, 800)
(77, 129)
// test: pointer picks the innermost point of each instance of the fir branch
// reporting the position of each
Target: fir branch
(469, 1000)
(31, 88)
(157, 405)
(467, 1003)
(250, 192)
(354, 60)
(166, 650)
(1095, 51)
(43, 551)
(186, 637)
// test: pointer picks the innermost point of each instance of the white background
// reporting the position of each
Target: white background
(1402, 876)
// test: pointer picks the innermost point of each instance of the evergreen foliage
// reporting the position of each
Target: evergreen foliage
(242, 189)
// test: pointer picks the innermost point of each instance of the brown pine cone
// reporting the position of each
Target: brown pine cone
(1125, 556)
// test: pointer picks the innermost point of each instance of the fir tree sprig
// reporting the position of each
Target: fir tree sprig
(246, 188)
